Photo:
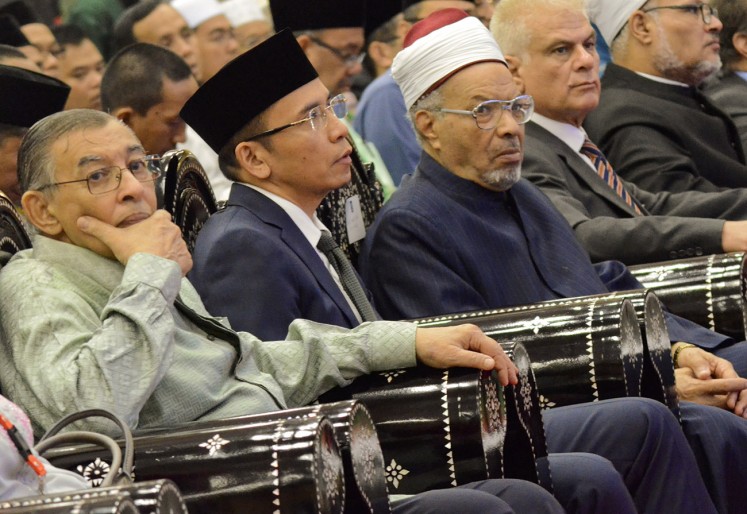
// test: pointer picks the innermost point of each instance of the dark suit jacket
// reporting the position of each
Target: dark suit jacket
(253, 265)
(730, 94)
(442, 244)
(663, 137)
(676, 225)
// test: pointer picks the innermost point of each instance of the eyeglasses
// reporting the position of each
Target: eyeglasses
(348, 59)
(707, 12)
(108, 179)
(317, 117)
(488, 113)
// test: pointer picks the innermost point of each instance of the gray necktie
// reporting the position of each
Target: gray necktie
(349, 279)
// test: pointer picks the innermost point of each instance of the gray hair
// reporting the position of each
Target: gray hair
(35, 160)
(432, 102)
(512, 21)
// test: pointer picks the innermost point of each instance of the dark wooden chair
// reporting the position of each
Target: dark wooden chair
(581, 349)
(708, 290)
(13, 234)
(187, 193)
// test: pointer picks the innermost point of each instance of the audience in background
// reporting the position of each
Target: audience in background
(730, 90)
(158, 23)
(145, 86)
(653, 122)
(45, 48)
(214, 37)
(27, 96)
(250, 24)
(81, 67)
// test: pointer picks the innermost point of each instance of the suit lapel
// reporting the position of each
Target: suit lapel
(272, 214)
(580, 169)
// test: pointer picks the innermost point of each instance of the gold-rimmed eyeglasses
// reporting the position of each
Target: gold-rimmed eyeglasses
(104, 180)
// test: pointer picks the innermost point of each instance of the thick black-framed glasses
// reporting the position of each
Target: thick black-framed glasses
(317, 117)
(349, 60)
(108, 179)
(707, 12)
(487, 114)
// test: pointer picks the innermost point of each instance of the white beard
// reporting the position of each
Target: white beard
(502, 179)
(670, 66)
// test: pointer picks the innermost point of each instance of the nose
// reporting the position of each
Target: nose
(336, 129)
(585, 57)
(50, 64)
(183, 47)
(130, 187)
(715, 25)
(180, 132)
(354, 70)
(507, 126)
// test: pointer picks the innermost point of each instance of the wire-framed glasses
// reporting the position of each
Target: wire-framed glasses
(488, 113)
(348, 59)
(104, 180)
(317, 117)
(707, 12)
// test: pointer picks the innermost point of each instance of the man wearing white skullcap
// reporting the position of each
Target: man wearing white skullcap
(216, 42)
(216, 45)
(653, 122)
(250, 23)
(468, 234)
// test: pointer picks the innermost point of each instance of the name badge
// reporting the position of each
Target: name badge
(354, 219)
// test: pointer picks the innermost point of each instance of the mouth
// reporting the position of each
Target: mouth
(345, 157)
(714, 45)
(510, 155)
(133, 219)
(586, 85)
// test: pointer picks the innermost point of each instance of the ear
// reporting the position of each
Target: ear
(642, 28)
(252, 159)
(424, 122)
(739, 40)
(124, 114)
(40, 213)
(380, 53)
(304, 42)
(516, 67)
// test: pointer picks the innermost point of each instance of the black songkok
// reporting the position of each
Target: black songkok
(317, 15)
(246, 87)
(378, 12)
(10, 32)
(19, 10)
(29, 96)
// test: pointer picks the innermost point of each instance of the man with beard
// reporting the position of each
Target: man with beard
(653, 123)
(730, 91)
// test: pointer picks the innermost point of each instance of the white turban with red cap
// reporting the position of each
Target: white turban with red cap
(439, 46)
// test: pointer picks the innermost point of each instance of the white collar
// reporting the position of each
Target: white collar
(662, 80)
(742, 74)
(311, 228)
(571, 135)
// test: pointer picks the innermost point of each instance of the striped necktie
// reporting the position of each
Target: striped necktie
(606, 173)
(349, 279)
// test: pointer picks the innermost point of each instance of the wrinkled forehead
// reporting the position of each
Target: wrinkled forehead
(79, 148)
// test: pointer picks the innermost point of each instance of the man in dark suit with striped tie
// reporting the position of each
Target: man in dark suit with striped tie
(612, 218)
(467, 233)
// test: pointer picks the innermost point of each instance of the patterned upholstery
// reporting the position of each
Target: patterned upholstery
(188, 195)
(13, 234)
